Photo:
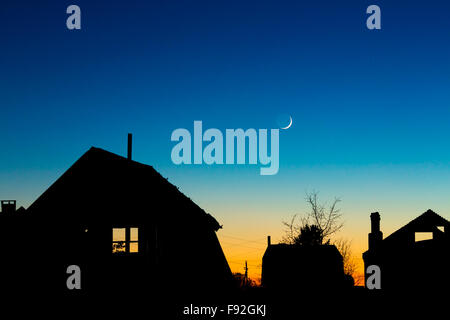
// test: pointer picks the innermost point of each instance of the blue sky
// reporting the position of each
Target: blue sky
(370, 108)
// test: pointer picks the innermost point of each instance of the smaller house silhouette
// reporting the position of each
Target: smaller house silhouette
(415, 257)
(302, 268)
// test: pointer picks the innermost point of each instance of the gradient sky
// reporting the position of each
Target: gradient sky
(371, 108)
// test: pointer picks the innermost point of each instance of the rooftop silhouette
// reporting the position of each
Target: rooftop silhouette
(415, 258)
(124, 224)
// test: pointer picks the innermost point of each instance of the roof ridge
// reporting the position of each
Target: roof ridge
(102, 155)
(428, 212)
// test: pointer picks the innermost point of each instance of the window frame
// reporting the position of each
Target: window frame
(127, 242)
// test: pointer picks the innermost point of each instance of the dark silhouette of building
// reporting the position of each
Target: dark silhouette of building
(122, 223)
(413, 259)
(303, 268)
(14, 259)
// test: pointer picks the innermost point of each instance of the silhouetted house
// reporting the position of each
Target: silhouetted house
(302, 268)
(125, 226)
(413, 258)
(14, 225)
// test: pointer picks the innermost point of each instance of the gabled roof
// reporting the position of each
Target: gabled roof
(426, 222)
(101, 183)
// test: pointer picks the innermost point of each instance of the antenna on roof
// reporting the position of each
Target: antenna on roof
(130, 138)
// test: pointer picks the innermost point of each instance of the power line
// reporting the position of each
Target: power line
(246, 253)
(259, 240)
(229, 244)
(250, 265)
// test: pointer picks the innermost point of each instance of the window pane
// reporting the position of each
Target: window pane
(119, 234)
(134, 247)
(420, 236)
(118, 247)
(134, 234)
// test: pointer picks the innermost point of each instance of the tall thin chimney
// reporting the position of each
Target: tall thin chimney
(268, 241)
(375, 236)
(375, 222)
(130, 138)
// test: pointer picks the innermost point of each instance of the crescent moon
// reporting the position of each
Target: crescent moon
(289, 125)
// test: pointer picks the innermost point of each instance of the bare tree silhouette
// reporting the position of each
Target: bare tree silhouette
(317, 227)
(350, 265)
(326, 219)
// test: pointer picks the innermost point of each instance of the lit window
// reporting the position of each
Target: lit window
(125, 240)
(421, 236)
(134, 242)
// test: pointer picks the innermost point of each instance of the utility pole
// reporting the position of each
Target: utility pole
(246, 273)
